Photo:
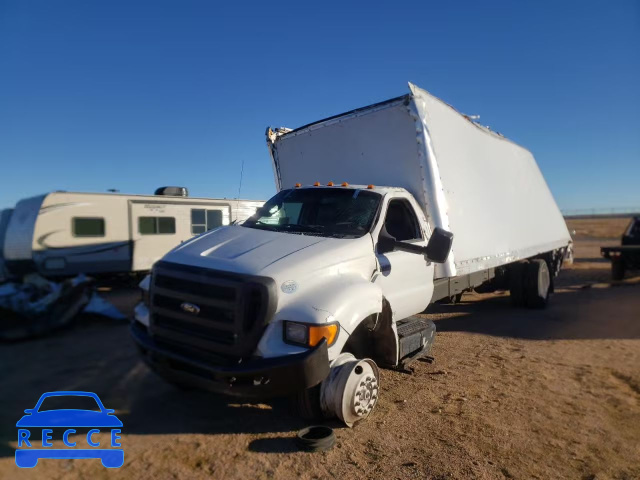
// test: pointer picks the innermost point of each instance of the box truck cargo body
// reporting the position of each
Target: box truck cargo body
(467, 179)
(380, 211)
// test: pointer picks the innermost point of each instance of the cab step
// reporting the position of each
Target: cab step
(415, 339)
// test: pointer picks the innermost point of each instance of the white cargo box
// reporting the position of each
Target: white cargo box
(481, 186)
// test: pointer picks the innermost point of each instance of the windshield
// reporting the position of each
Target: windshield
(331, 212)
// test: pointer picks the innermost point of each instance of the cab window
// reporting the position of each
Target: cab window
(401, 221)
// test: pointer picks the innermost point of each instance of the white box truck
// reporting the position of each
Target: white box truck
(379, 212)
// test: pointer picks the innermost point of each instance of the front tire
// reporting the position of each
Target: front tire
(351, 390)
(306, 404)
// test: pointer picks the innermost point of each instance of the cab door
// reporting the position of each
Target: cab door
(406, 278)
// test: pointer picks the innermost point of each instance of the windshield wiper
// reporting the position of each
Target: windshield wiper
(303, 228)
(259, 226)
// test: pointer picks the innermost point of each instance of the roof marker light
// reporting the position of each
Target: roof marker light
(317, 184)
(330, 184)
(298, 185)
(345, 184)
(370, 187)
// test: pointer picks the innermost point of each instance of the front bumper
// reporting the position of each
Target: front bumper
(255, 378)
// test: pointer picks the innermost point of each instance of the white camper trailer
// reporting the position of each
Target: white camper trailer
(66, 233)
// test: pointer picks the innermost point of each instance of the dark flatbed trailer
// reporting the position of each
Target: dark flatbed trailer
(623, 258)
(626, 256)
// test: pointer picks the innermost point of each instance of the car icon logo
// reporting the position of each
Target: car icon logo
(93, 416)
(190, 308)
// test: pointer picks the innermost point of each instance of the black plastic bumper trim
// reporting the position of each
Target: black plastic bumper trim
(255, 378)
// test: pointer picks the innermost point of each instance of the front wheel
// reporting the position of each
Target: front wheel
(351, 390)
(306, 404)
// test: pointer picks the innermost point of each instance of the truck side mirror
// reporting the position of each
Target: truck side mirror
(386, 242)
(439, 245)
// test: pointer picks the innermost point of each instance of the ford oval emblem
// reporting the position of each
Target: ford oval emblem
(190, 308)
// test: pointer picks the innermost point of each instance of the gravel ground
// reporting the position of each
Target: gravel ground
(513, 394)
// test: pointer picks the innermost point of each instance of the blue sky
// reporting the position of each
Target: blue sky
(137, 94)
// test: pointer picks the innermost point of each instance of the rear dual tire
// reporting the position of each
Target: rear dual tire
(537, 283)
(516, 284)
(530, 283)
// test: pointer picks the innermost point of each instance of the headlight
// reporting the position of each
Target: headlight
(310, 335)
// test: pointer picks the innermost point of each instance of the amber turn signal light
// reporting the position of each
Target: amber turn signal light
(316, 334)
(310, 335)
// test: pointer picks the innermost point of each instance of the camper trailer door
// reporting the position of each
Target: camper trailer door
(155, 229)
(158, 226)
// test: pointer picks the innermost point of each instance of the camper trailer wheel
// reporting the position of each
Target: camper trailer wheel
(537, 283)
(351, 390)
(182, 386)
(455, 299)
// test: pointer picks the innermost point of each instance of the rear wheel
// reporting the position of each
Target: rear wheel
(516, 284)
(537, 283)
(617, 269)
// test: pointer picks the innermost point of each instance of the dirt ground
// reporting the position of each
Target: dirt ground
(513, 393)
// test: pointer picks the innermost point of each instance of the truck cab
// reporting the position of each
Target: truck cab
(266, 307)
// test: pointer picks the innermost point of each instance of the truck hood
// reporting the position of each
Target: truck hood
(242, 249)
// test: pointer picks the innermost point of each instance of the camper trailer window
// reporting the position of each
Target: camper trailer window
(156, 225)
(214, 219)
(87, 227)
(166, 225)
(204, 220)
